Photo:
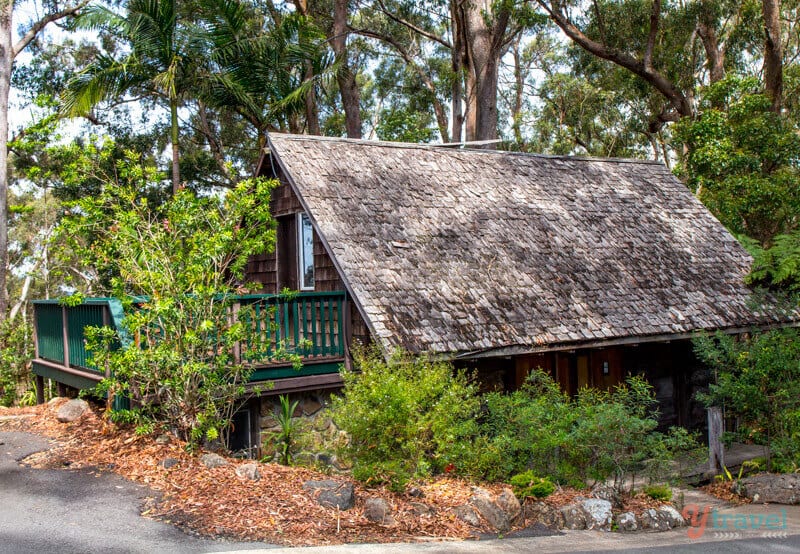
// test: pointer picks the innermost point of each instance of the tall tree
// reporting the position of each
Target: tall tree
(159, 64)
(9, 50)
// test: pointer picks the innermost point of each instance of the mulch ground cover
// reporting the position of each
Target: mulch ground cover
(217, 502)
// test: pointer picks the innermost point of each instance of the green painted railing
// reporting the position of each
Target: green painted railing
(307, 324)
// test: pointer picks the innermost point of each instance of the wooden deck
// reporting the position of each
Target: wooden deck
(311, 325)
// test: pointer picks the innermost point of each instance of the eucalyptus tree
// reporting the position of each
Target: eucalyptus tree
(159, 64)
(9, 50)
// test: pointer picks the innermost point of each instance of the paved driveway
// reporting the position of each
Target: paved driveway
(80, 510)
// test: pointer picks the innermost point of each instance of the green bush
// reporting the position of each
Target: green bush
(658, 492)
(528, 484)
(406, 417)
(758, 381)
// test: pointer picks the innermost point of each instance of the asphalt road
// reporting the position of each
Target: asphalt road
(67, 511)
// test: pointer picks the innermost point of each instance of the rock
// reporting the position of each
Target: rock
(604, 492)
(416, 492)
(421, 509)
(652, 519)
(511, 506)
(72, 410)
(574, 517)
(332, 494)
(671, 516)
(268, 422)
(545, 514)
(626, 522)
(167, 463)
(468, 515)
(55, 400)
(771, 488)
(489, 510)
(598, 512)
(311, 406)
(377, 510)
(249, 471)
(162, 439)
(212, 460)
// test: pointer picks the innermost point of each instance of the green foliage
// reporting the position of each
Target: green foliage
(288, 428)
(658, 492)
(777, 267)
(176, 267)
(742, 160)
(16, 352)
(596, 436)
(758, 381)
(528, 484)
(407, 417)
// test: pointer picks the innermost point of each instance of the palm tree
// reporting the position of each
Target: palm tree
(262, 69)
(159, 64)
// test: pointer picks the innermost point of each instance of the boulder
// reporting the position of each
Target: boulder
(416, 492)
(211, 460)
(468, 515)
(598, 514)
(626, 522)
(72, 410)
(332, 494)
(671, 516)
(163, 439)
(378, 510)
(167, 463)
(662, 519)
(489, 510)
(421, 509)
(249, 471)
(574, 517)
(545, 514)
(771, 488)
(604, 492)
(508, 502)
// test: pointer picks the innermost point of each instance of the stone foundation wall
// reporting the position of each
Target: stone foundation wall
(316, 436)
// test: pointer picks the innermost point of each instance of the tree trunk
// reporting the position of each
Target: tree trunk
(346, 78)
(519, 83)
(484, 41)
(6, 60)
(457, 63)
(312, 113)
(176, 171)
(773, 52)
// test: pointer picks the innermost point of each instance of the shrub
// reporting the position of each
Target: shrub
(658, 492)
(406, 417)
(185, 258)
(16, 351)
(528, 484)
(758, 381)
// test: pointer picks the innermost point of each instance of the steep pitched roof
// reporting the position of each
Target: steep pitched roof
(461, 251)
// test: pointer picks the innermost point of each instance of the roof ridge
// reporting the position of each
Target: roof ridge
(442, 148)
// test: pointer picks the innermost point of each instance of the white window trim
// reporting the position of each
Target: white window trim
(300, 252)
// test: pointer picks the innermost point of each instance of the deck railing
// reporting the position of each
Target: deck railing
(307, 324)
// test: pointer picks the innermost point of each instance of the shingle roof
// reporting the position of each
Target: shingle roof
(459, 251)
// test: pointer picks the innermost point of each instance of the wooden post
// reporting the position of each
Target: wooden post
(716, 451)
(39, 389)
(65, 334)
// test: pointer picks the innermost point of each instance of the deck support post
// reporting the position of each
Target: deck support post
(716, 451)
(39, 389)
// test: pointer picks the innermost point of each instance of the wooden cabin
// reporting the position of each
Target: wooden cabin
(591, 269)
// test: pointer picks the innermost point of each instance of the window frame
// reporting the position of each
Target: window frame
(301, 265)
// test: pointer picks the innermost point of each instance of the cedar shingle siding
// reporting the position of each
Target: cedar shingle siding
(459, 251)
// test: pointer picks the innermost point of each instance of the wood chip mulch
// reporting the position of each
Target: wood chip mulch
(724, 491)
(216, 502)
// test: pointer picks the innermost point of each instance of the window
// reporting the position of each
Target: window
(305, 252)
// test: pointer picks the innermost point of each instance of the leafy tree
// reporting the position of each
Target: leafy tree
(758, 381)
(742, 160)
(160, 64)
(9, 50)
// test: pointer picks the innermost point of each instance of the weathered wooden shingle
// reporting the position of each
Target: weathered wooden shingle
(459, 251)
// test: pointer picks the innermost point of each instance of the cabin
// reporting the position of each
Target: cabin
(591, 269)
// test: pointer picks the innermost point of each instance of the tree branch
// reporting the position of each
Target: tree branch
(413, 27)
(655, 16)
(42, 23)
